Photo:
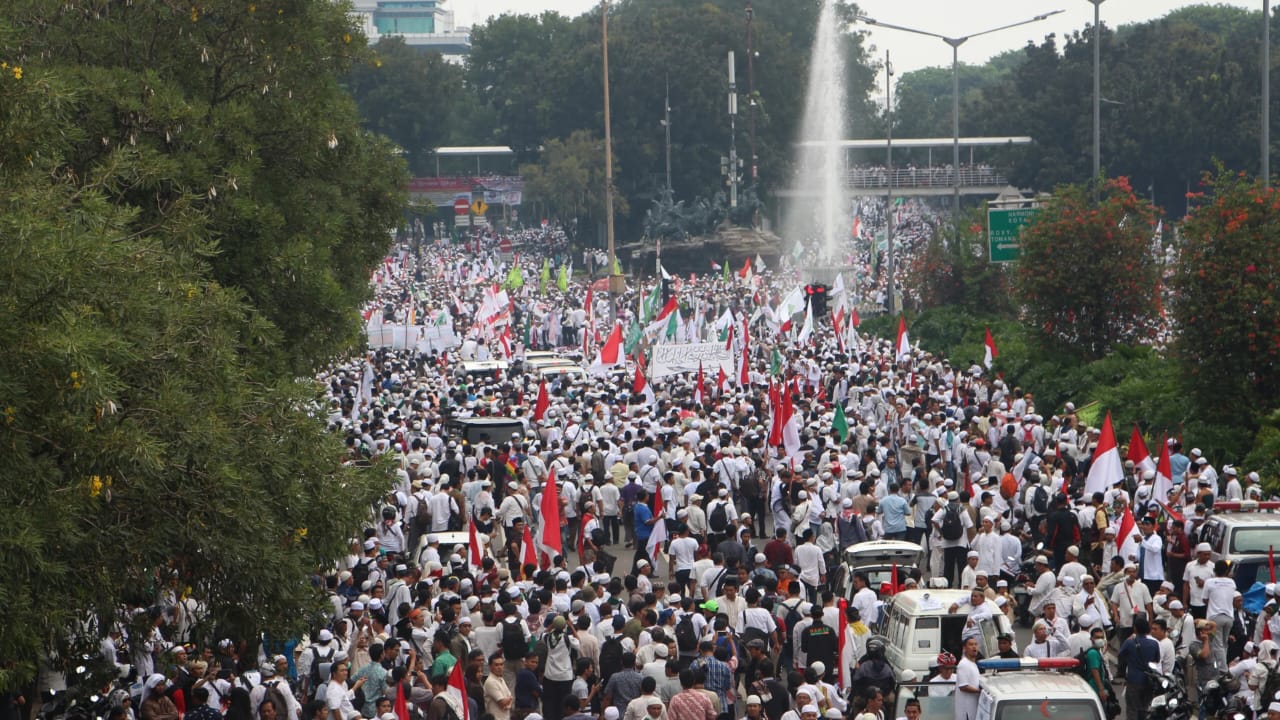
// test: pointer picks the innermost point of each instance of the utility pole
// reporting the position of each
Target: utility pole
(751, 94)
(1266, 92)
(666, 123)
(615, 280)
(1097, 97)
(888, 200)
(732, 167)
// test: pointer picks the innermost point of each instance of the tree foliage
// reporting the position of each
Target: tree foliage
(956, 272)
(239, 103)
(1086, 276)
(570, 178)
(1178, 92)
(408, 96)
(155, 441)
(1226, 291)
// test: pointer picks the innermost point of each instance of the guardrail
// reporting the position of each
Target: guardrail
(935, 177)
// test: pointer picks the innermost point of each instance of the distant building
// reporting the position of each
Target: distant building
(424, 24)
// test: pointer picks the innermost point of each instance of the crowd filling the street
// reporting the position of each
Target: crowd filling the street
(787, 520)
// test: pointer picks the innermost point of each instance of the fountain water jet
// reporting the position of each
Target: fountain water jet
(819, 160)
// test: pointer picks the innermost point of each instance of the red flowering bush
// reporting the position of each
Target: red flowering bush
(1226, 302)
(1086, 277)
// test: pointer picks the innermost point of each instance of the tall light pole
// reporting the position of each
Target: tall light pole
(1097, 95)
(733, 134)
(751, 91)
(1266, 92)
(888, 199)
(666, 123)
(955, 43)
(615, 280)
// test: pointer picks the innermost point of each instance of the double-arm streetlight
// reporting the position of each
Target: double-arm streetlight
(955, 43)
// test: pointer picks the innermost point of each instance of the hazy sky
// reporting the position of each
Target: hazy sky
(946, 17)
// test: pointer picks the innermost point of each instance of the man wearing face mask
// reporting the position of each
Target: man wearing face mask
(1095, 670)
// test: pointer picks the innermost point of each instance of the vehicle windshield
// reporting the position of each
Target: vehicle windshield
(1248, 540)
(1045, 709)
(940, 704)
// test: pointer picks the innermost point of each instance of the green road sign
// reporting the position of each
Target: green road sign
(1003, 228)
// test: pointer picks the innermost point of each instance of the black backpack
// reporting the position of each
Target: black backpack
(610, 656)
(277, 698)
(686, 636)
(514, 644)
(360, 572)
(315, 679)
(719, 520)
(1040, 500)
(952, 526)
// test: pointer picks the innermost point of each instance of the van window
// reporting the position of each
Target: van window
(927, 635)
(1039, 710)
(1254, 540)
(952, 626)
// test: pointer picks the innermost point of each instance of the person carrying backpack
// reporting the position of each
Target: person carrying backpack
(321, 658)
(955, 528)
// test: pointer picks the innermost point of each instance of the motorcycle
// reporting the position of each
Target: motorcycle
(1218, 698)
(1169, 701)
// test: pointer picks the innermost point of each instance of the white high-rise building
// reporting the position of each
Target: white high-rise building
(424, 24)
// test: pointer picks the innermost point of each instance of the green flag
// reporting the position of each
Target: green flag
(673, 322)
(545, 277)
(562, 281)
(632, 339)
(515, 278)
(725, 269)
(652, 304)
(528, 333)
(775, 366)
(840, 424)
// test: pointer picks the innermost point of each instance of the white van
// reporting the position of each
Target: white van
(1056, 692)
(918, 625)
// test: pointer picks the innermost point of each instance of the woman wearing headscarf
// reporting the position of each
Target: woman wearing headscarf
(155, 704)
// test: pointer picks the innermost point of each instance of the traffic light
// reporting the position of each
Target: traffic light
(817, 296)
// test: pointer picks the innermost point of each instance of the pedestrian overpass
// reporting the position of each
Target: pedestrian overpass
(935, 178)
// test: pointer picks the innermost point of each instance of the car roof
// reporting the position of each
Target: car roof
(1037, 684)
(1247, 518)
(482, 421)
(915, 601)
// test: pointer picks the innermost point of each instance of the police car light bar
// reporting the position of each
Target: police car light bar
(1057, 663)
(1246, 506)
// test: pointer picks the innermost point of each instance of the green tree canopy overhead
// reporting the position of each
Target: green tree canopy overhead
(155, 438)
(239, 103)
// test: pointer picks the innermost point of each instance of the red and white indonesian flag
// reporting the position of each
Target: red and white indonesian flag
(990, 352)
(542, 403)
(1164, 475)
(610, 354)
(659, 533)
(1126, 528)
(902, 348)
(549, 541)
(457, 694)
(640, 389)
(1106, 467)
(1142, 461)
(475, 558)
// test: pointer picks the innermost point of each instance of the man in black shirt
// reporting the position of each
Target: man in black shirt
(821, 644)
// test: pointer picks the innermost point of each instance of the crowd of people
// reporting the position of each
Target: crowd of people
(456, 604)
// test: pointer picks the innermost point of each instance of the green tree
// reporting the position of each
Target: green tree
(408, 96)
(148, 447)
(951, 273)
(1226, 290)
(1086, 276)
(240, 104)
(570, 179)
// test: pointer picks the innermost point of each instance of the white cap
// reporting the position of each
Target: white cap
(810, 708)
(1204, 547)
(751, 700)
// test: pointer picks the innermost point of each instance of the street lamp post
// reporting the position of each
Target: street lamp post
(888, 198)
(1097, 94)
(955, 43)
(615, 280)
(1266, 92)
